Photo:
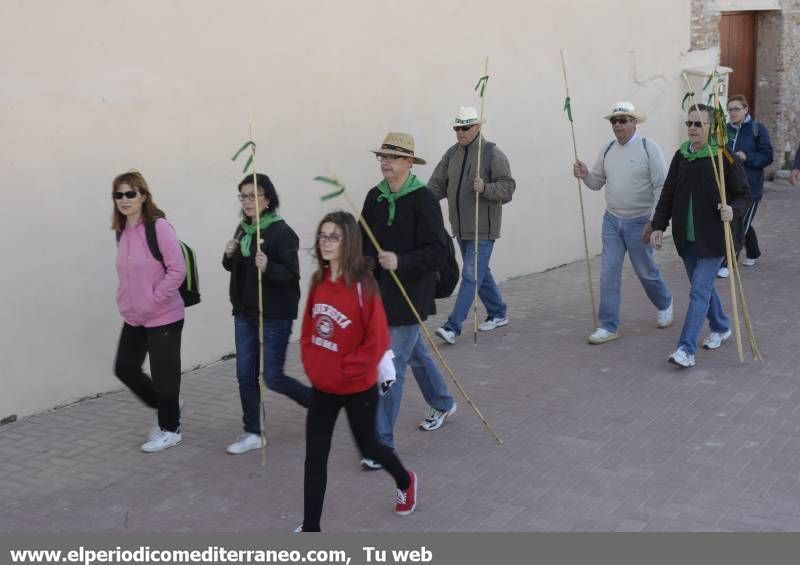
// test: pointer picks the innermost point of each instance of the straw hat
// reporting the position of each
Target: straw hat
(400, 144)
(466, 116)
(626, 109)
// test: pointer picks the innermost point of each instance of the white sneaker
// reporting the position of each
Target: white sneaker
(665, 316)
(162, 441)
(370, 465)
(492, 322)
(716, 339)
(156, 428)
(681, 358)
(244, 443)
(602, 335)
(748, 262)
(723, 273)
(446, 335)
(298, 529)
(436, 418)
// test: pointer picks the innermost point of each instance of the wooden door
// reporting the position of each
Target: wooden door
(737, 38)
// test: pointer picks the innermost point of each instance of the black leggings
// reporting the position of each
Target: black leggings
(321, 418)
(750, 239)
(163, 343)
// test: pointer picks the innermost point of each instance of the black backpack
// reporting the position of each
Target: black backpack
(190, 287)
(447, 276)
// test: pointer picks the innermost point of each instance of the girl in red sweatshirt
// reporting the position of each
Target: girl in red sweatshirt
(343, 338)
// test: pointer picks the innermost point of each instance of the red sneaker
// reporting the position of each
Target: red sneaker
(406, 500)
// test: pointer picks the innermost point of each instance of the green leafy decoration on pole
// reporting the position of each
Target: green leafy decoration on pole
(568, 107)
(332, 181)
(710, 78)
(249, 159)
(481, 84)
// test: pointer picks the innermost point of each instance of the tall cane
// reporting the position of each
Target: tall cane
(482, 86)
(568, 110)
(719, 174)
(261, 394)
(342, 190)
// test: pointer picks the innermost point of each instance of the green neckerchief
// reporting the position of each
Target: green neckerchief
(412, 183)
(708, 150)
(264, 222)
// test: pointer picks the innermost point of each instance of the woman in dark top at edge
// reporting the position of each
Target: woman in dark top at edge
(276, 258)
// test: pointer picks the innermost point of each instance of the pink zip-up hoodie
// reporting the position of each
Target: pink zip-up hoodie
(147, 295)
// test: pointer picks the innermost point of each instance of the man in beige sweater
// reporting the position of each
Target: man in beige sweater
(633, 170)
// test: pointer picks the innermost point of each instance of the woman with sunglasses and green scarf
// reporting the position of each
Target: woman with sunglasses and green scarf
(690, 199)
(276, 258)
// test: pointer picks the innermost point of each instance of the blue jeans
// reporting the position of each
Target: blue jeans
(276, 338)
(704, 301)
(409, 349)
(487, 287)
(619, 236)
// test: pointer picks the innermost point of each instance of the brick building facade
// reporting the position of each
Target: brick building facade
(777, 69)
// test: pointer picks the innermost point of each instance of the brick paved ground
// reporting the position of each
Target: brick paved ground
(596, 437)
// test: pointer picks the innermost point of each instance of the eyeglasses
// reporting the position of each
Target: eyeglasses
(250, 197)
(623, 120)
(690, 123)
(735, 109)
(330, 238)
(130, 195)
(462, 128)
(388, 158)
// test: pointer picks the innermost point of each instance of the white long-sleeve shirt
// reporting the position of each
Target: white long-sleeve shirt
(633, 177)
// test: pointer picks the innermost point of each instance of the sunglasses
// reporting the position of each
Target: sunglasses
(462, 128)
(615, 121)
(690, 123)
(130, 195)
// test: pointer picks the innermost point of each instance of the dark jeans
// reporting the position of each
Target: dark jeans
(321, 418)
(704, 301)
(163, 344)
(276, 339)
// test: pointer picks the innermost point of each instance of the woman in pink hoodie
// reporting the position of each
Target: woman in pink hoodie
(150, 305)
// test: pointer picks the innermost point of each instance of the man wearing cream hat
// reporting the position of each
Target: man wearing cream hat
(633, 171)
(456, 179)
(407, 222)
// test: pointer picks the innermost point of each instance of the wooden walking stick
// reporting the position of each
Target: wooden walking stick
(482, 86)
(568, 110)
(342, 190)
(257, 220)
(718, 135)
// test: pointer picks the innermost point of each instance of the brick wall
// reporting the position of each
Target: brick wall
(704, 24)
(778, 77)
(777, 67)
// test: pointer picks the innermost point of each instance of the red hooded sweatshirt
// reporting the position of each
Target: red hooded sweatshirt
(344, 337)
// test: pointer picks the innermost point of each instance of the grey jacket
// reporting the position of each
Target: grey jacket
(453, 178)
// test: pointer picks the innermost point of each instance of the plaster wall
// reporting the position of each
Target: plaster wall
(89, 89)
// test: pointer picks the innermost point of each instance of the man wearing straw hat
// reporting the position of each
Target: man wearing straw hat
(455, 178)
(632, 169)
(691, 201)
(407, 223)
